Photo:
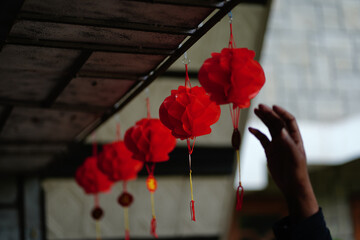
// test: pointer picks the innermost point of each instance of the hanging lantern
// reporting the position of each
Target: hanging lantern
(116, 162)
(233, 77)
(93, 181)
(150, 142)
(188, 112)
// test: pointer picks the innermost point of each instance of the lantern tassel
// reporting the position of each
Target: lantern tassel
(127, 235)
(153, 220)
(98, 230)
(240, 189)
(192, 202)
(126, 222)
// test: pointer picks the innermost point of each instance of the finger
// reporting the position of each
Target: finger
(273, 122)
(290, 122)
(260, 136)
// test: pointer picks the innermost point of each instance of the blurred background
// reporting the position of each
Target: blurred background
(310, 52)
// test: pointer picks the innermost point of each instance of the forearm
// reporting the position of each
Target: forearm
(302, 204)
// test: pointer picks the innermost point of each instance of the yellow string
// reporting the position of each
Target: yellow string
(238, 162)
(191, 186)
(126, 218)
(98, 230)
(152, 204)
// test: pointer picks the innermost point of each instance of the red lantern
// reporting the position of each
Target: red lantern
(150, 142)
(116, 162)
(90, 178)
(93, 181)
(188, 112)
(233, 76)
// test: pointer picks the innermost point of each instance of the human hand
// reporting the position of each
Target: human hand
(286, 159)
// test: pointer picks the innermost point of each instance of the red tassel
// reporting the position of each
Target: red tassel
(239, 197)
(153, 227)
(127, 235)
(192, 210)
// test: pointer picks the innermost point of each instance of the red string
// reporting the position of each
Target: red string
(153, 227)
(125, 186)
(190, 148)
(231, 40)
(96, 200)
(94, 149)
(187, 79)
(150, 167)
(118, 131)
(127, 235)
(239, 197)
(148, 107)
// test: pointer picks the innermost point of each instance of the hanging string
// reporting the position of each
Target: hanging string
(240, 189)
(126, 223)
(192, 202)
(98, 230)
(231, 40)
(118, 131)
(186, 62)
(148, 103)
(96, 200)
(94, 145)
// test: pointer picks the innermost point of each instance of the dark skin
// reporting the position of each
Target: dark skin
(286, 160)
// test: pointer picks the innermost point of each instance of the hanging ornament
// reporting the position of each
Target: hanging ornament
(233, 77)
(116, 163)
(188, 112)
(93, 181)
(150, 142)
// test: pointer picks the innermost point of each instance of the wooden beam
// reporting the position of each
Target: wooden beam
(61, 84)
(105, 23)
(56, 106)
(87, 46)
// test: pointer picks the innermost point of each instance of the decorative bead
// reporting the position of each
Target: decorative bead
(151, 183)
(236, 139)
(97, 213)
(125, 199)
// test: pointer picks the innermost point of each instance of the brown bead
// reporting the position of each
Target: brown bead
(236, 139)
(97, 213)
(125, 199)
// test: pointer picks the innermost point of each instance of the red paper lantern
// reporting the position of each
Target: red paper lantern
(232, 76)
(149, 141)
(189, 112)
(116, 162)
(90, 178)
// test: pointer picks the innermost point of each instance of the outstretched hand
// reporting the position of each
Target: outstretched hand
(286, 160)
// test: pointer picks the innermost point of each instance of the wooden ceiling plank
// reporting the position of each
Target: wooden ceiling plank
(105, 23)
(192, 3)
(87, 46)
(55, 106)
(75, 68)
